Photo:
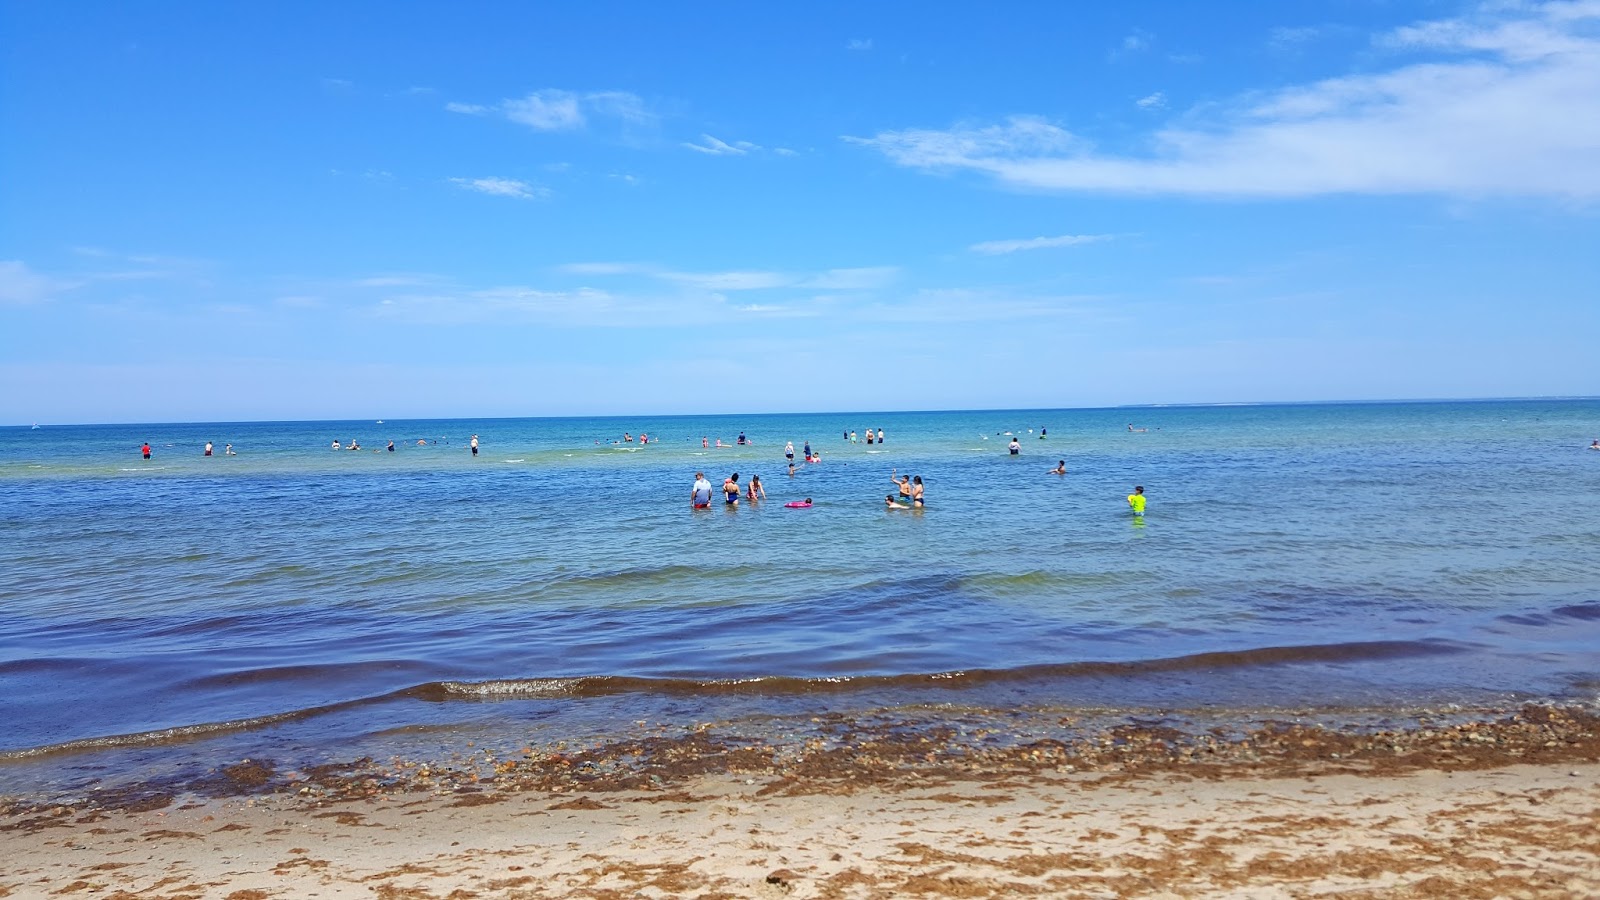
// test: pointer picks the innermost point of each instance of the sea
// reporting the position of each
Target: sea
(1349, 562)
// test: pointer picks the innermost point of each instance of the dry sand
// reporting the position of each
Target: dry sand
(1472, 813)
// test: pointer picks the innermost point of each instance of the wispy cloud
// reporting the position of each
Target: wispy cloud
(1513, 109)
(715, 147)
(864, 278)
(729, 281)
(1136, 41)
(858, 44)
(21, 286)
(503, 187)
(996, 248)
(1157, 100)
(1292, 38)
(391, 281)
(546, 111)
(553, 109)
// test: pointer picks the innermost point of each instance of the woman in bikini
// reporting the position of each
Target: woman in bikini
(755, 492)
(916, 492)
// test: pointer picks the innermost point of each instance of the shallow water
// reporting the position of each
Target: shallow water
(1345, 556)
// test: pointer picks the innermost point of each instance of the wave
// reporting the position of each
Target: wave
(578, 688)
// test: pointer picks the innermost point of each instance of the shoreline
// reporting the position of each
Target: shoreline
(1509, 807)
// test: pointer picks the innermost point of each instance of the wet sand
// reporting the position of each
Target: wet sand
(1506, 808)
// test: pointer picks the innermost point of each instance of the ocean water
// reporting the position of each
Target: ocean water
(301, 601)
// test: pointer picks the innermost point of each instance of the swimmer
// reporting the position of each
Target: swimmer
(730, 490)
(700, 494)
(742, 441)
(791, 468)
(1060, 469)
(1041, 432)
(208, 448)
(335, 443)
(227, 450)
(1014, 447)
(420, 443)
(1594, 445)
(903, 483)
(755, 491)
(799, 504)
(704, 444)
(888, 502)
(1136, 500)
(916, 492)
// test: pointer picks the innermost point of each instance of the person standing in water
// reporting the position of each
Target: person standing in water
(916, 492)
(228, 451)
(474, 444)
(145, 449)
(1060, 469)
(903, 483)
(730, 490)
(1015, 447)
(788, 451)
(755, 491)
(1136, 500)
(880, 435)
(700, 494)
(208, 448)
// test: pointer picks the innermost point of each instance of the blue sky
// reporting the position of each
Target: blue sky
(218, 211)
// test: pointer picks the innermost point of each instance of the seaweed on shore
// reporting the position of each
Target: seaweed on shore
(841, 753)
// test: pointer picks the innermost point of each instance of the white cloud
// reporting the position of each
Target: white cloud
(1157, 100)
(859, 44)
(388, 281)
(1513, 110)
(20, 285)
(715, 147)
(550, 110)
(859, 279)
(553, 109)
(995, 248)
(604, 268)
(503, 187)
(729, 281)
(1291, 39)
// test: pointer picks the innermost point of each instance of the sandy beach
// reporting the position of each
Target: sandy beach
(1509, 808)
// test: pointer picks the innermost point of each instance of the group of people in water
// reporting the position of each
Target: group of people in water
(210, 449)
(700, 495)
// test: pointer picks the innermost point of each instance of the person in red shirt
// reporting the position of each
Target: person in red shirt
(145, 450)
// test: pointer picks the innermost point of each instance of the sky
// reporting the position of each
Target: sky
(298, 210)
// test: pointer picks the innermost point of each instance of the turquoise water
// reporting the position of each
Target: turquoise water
(1339, 556)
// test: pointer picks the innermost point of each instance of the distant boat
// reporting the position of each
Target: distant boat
(35, 427)
(380, 421)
